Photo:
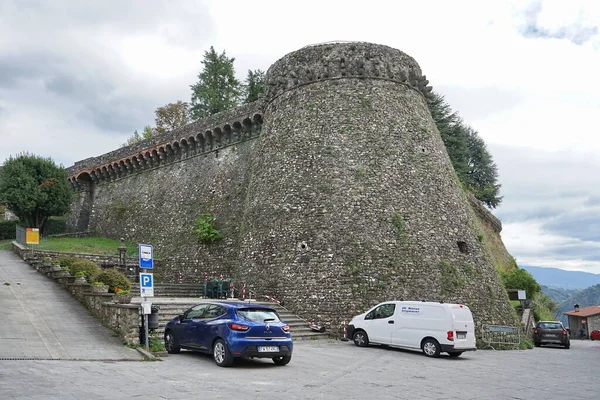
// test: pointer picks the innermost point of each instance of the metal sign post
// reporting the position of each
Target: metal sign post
(146, 285)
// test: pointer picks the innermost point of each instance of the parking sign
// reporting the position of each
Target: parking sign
(146, 284)
(146, 260)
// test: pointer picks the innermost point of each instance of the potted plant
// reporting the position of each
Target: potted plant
(99, 287)
(122, 296)
(80, 278)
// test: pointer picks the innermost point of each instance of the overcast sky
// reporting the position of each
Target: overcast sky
(78, 77)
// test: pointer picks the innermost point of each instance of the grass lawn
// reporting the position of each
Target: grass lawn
(90, 245)
(5, 244)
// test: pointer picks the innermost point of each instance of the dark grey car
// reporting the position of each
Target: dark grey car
(551, 332)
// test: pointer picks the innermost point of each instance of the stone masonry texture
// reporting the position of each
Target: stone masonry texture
(333, 192)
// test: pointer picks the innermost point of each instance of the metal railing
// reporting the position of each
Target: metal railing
(20, 235)
(500, 335)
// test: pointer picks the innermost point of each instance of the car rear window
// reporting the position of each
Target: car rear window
(550, 325)
(258, 314)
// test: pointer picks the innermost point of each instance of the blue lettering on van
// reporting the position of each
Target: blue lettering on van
(406, 309)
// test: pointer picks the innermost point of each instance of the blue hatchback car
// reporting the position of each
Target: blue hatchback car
(230, 330)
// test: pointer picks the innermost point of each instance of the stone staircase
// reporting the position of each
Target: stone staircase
(172, 306)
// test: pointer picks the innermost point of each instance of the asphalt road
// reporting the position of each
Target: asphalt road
(319, 370)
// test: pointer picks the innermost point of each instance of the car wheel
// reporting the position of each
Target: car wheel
(455, 354)
(567, 346)
(431, 348)
(360, 338)
(537, 344)
(221, 354)
(171, 344)
(283, 360)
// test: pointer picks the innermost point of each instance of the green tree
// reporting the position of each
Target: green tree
(147, 133)
(171, 116)
(468, 153)
(254, 85)
(520, 279)
(483, 173)
(34, 188)
(217, 88)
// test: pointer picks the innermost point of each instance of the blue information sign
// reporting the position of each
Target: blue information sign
(146, 260)
(146, 284)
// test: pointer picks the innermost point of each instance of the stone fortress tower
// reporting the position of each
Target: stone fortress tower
(345, 198)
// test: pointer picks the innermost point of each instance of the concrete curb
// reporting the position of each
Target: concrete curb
(147, 355)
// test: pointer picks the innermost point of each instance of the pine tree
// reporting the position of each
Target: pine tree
(217, 88)
(254, 85)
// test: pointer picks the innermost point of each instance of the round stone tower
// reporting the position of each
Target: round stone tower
(353, 199)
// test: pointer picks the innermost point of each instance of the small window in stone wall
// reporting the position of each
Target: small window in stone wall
(462, 247)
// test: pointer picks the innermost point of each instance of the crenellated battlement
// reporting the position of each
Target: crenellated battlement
(201, 137)
(338, 60)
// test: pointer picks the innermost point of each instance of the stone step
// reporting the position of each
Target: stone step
(170, 308)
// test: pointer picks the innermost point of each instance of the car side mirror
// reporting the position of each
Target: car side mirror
(181, 317)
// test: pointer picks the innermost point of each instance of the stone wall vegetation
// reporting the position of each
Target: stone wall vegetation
(331, 194)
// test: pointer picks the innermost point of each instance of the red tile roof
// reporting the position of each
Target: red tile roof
(585, 311)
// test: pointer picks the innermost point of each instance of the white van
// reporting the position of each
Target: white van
(429, 326)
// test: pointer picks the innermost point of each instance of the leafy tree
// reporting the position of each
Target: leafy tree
(217, 88)
(147, 133)
(172, 116)
(34, 188)
(520, 279)
(254, 85)
(468, 153)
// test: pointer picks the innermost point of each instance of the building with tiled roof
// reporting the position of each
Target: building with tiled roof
(587, 318)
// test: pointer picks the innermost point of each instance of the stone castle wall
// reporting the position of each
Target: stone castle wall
(334, 193)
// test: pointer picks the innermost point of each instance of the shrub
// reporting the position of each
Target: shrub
(89, 268)
(55, 226)
(205, 231)
(8, 229)
(114, 279)
(67, 261)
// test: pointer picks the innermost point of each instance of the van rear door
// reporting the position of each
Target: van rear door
(463, 326)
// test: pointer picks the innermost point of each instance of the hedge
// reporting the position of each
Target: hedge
(55, 226)
(8, 229)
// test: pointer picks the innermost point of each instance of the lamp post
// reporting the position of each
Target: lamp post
(122, 252)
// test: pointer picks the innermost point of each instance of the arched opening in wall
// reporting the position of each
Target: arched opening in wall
(176, 149)
(462, 247)
(147, 159)
(218, 137)
(168, 153)
(210, 140)
(104, 172)
(122, 168)
(183, 145)
(155, 156)
(247, 128)
(237, 131)
(135, 163)
(192, 145)
(115, 170)
(201, 143)
(227, 134)
(257, 122)
(87, 199)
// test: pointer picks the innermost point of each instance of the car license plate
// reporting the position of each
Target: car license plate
(551, 335)
(268, 349)
(461, 335)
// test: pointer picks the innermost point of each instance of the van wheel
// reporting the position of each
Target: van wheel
(431, 348)
(455, 354)
(360, 338)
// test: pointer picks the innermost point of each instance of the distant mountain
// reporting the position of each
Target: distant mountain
(559, 294)
(559, 278)
(585, 298)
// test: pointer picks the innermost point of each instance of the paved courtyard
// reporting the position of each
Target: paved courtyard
(319, 370)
